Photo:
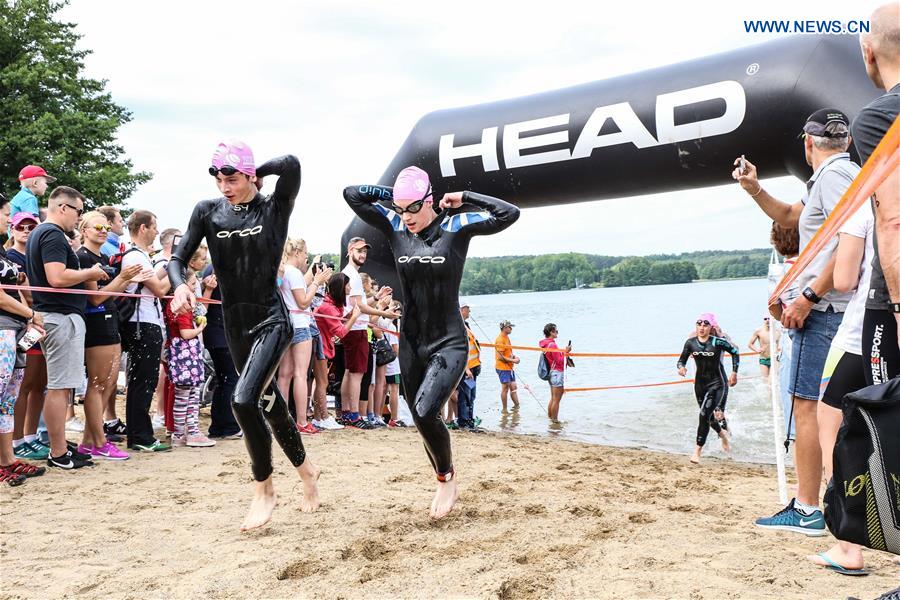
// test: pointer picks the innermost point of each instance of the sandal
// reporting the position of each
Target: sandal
(20, 468)
(11, 478)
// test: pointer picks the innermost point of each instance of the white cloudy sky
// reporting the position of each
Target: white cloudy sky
(341, 83)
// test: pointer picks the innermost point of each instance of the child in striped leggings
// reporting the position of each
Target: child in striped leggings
(184, 349)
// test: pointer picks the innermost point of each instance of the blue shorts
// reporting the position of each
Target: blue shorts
(809, 350)
(318, 352)
(557, 379)
(301, 334)
(506, 376)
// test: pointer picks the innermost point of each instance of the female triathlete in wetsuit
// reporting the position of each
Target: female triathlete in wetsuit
(710, 383)
(430, 252)
(245, 232)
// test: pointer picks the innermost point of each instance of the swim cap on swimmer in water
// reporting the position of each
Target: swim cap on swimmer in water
(234, 154)
(413, 184)
(710, 318)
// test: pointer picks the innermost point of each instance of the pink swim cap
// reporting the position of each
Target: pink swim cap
(234, 154)
(413, 184)
(709, 317)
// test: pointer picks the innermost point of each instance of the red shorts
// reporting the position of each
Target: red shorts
(356, 351)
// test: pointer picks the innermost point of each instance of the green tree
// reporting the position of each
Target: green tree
(51, 114)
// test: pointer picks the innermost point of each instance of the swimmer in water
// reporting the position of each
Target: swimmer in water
(710, 382)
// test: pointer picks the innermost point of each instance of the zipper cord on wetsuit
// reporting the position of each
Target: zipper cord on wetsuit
(524, 383)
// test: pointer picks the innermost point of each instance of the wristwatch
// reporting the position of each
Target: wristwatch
(895, 307)
(810, 295)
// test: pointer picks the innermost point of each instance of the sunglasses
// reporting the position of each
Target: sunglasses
(99, 227)
(225, 170)
(704, 322)
(24, 228)
(78, 211)
(411, 209)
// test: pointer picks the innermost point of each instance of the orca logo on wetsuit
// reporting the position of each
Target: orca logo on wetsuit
(703, 353)
(240, 232)
(434, 260)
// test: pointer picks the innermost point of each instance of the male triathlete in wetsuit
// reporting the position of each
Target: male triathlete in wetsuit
(710, 383)
(245, 232)
(430, 252)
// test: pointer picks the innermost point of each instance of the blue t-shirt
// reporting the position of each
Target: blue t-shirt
(111, 246)
(24, 201)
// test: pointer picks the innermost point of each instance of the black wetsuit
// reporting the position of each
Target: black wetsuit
(433, 344)
(710, 382)
(245, 243)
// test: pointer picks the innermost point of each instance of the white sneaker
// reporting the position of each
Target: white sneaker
(330, 424)
(75, 425)
(159, 422)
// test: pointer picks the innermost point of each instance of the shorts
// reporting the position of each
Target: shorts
(301, 334)
(766, 362)
(318, 352)
(392, 379)
(101, 329)
(843, 373)
(506, 376)
(356, 351)
(879, 346)
(64, 350)
(557, 379)
(809, 351)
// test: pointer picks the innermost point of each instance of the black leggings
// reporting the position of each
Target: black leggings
(879, 346)
(709, 398)
(257, 340)
(848, 376)
(430, 383)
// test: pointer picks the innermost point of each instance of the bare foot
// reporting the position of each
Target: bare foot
(261, 506)
(726, 443)
(695, 457)
(847, 555)
(444, 499)
(309, 475)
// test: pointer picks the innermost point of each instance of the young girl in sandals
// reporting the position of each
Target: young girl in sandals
(185, 369)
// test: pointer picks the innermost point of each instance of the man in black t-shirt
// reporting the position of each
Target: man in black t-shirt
(881, 328)
(52, 263)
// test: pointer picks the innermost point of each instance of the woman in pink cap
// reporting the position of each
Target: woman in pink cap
(710, 382)
(430, 251)
(245, 232)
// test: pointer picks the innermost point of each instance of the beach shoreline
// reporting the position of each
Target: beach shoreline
(536, 518)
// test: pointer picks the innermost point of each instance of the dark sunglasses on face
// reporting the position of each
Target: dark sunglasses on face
(411, 209)
(703, 322)
(225, 170)
(24, 228)
(78, 211)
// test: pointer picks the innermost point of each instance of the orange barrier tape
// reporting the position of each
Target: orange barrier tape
(597, 354)
(885, 159)
(642, 385)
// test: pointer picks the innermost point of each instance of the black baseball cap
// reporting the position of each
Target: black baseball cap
(817, 123)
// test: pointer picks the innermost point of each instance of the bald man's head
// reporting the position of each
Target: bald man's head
(881, 46)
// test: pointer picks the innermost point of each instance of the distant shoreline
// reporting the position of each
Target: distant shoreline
(600, 287)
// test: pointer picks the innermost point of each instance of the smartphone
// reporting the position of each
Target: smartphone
(570, 342)
(743, 165)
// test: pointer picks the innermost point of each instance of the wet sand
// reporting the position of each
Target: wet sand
(536, 518)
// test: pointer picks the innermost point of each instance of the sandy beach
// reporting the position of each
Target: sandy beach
(536, 518)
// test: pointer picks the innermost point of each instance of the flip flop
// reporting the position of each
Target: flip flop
(833, 566)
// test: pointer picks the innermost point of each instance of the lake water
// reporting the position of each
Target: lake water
(651, 319)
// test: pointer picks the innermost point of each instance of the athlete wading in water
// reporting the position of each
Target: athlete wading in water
(245, 232)
(710, 383)
(430, 252)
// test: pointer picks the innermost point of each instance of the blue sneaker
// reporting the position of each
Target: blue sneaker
(791, 519)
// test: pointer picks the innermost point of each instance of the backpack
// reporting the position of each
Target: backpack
(543, 370)
(125, 306)
(862, 502)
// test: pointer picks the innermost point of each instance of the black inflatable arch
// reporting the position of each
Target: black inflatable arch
(672, 128)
